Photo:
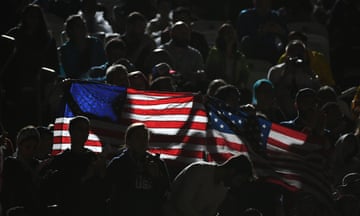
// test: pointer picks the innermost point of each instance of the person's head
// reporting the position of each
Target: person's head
(137, 137)
(115, 49)
(182, 14)
(263, 93)
(226, 35)
(32, 20)
(161, 69)
(156, 56)
(126, 63)
(306, 102)
(163, 83)
(333, 115)
(138, 80)
(297, 35)
(237, 170)
(296, 49)
(75, 28)
(88, 8)
(163, 7)
(180, 34)
(326, 94)
(214, 85)
(79, 128)
(27, 141)
(117, 75)
(229, 94)
(135, 25)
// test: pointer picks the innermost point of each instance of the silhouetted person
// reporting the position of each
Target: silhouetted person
(138, 180)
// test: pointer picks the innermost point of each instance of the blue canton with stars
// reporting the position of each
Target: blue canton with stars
(220, 116)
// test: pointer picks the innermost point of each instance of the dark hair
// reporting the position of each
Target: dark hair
(115, 43)
(78, 119)
(182, 10)
(70, 22)
(297, 35)
(162, 83)
(304, 93)
(135, 17)
(132, 128)
(226, 90)
(27, 133)
(220, 41)
(41, 34)
(241, 164)
(214, 85)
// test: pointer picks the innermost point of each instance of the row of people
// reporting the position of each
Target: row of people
(79, 181)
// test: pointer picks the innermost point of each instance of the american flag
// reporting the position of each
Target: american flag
(281, 155)
(184, 128)
(177, 121)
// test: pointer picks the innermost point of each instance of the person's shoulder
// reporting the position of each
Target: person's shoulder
(247, 12)
(193, 51)
(10, 159)
(122, 155)
(288, 123)
(94, 40)
(200, 165)
(278, 66)
(13, 31)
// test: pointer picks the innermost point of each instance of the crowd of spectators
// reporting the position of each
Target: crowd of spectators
(309, 83)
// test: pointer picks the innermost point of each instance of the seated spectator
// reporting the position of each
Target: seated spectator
(138, 80)
(157, 56)
(117, 75)
(317, 61)
(20, 179)
(225, 61)
(71, 168)
(139, 45)
(294, 74)
(80, 52)
(335, 124)
(161, 20)
(137, 180)
(264, 101)
(94, 18)
(115, 49)
(308, 119)
(187, 60)
(261, 32)
(22, 79)
(197, 39)
(345, 157)
(328, 94)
